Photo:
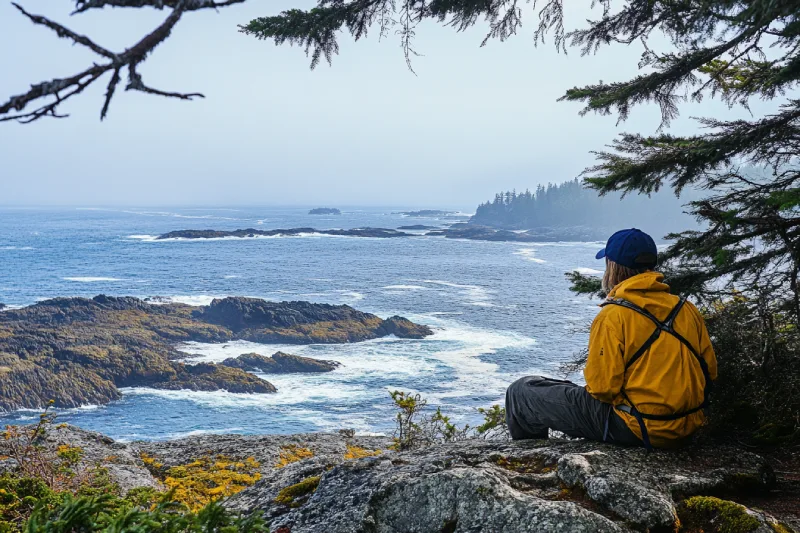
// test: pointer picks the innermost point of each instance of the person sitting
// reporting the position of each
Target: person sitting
(650, 365)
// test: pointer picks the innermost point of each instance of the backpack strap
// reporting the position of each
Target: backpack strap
(667, 326)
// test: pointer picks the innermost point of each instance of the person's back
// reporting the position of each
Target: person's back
(666, 379)
(649, 368)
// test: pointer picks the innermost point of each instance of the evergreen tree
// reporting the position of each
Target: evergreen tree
(732, 50)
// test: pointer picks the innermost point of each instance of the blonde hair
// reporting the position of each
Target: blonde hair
(616, 274)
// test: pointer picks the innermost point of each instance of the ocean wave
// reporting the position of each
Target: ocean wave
(455, 349)
(350, 295)
(22, 248)
(474, 295)
(529, 254)
(143, 237)
(91, 279)
(189, 299)
(231, 276)
(407, 288)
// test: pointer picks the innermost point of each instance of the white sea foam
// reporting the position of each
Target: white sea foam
(202, 352)
(16, 248)
(192, 299)
(143, 237)
(529, 254)
(473, 294)
(231, 276)
(587, 271)
(350, 295)
(407, 288)
(91, 279)
(454, 348)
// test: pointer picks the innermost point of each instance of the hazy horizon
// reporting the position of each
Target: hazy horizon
(363, 132)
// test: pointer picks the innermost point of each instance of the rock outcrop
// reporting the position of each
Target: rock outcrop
(279, 363)
(510, 487)
(427, 213)
(325, 211)
(377, 233)
(477, 232)
(343, 483)
(78, 351)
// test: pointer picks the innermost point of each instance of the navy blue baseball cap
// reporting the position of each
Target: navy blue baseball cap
(631, 248)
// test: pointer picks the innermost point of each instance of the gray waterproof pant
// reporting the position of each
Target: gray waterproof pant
(535, 404)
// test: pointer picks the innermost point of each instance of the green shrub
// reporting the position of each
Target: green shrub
(104, 513)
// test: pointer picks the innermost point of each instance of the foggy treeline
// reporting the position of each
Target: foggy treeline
(571, 204)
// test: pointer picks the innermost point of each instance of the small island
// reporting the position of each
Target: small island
(427, 213)
(325, 211)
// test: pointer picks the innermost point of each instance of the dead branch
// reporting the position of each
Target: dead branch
(61, 89)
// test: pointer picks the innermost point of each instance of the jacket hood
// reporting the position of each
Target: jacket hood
(647, 290)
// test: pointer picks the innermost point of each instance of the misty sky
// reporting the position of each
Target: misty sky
(364, 131)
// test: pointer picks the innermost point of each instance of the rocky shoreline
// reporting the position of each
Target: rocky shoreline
(342, 483)
(80, 351)
(458, 230)
(376, 233)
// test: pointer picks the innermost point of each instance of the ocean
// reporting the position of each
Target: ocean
(499, 310)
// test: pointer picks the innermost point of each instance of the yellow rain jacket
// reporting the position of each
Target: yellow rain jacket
(667, 378)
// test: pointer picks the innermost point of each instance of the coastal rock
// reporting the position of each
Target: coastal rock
(543, 234)
(279, 363)
(424, 213)
(122, 462)
(303, 322)
(325, 211)
(477, 485)
(211, 377)
(404, 328)
(79, 351)
(481, 233)
(417, 227)
(377, 233)
(347, 484)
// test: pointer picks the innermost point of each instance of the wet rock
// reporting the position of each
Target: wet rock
(279, 363)
(325, 211)
(78, 351)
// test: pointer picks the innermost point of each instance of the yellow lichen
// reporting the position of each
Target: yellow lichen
(295, 495)
(291, 454)
(356, 452)
(204, 480)
(150, 461)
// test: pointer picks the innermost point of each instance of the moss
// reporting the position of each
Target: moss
(449, 526)
(534, 465)
(296, 495)
(713, 515)
(291, 454)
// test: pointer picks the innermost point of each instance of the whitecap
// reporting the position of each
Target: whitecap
(350, 295)
(473, 294)
(24, 248)
(189, 299)
(407, 288)
(529, 254)
(231, 276)
(143, 237)
(91, 279)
